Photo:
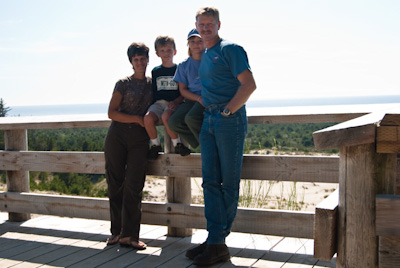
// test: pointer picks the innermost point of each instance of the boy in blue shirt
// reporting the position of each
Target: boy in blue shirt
(166, 96)
(187, 119)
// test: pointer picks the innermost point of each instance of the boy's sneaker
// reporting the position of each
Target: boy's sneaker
(212, 254)
(153, 153)
(182, 149)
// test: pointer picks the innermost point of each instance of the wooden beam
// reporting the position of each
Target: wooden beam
(101, 120)
(66, 162)
(257, 221)
(358, 131)
(275, 222)
(303, 118)
(257, 167)
(388, 139)
(291, 168)
(55, 121)
(388, 215)
(392, 117)
(389, 251)
(325, 227)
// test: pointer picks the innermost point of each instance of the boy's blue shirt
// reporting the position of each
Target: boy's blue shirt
(220, 65)
(188, 74)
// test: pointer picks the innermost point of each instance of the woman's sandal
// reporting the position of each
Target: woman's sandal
(112, 240)
(132, 244)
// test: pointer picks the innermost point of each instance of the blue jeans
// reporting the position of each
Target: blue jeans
(222, 145)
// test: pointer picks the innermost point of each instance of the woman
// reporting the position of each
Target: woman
(126, 149)
(188, 118)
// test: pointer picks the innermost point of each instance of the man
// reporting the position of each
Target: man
(227, 83)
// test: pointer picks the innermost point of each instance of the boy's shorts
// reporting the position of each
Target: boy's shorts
(158, 107)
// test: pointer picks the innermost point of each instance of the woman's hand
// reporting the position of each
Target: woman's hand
(140, 121)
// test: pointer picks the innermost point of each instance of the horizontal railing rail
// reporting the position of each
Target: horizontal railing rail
(255, 167)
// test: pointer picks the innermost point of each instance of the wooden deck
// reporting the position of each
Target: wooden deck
(50, 241)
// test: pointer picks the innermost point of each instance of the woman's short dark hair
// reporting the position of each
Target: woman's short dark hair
(137, 49)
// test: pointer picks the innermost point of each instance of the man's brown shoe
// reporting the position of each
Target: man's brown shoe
(194, 252)
(212, 254)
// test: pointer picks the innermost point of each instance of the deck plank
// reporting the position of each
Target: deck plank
(50, 241)
(257, 246)
(303, 257)
(118, 256)
(156, 237)
(281, 253)
(179, 246)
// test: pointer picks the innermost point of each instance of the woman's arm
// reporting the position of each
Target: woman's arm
(115, 115)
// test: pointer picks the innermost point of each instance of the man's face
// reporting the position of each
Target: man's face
(208, 27)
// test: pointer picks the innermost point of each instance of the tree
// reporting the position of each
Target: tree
(3, 109)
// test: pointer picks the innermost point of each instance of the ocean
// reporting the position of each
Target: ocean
(66, 109)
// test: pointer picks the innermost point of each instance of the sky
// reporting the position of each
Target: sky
(73, 51)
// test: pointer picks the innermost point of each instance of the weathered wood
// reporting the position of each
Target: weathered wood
(257, 167)
(325, 227)
(303, 118)
(101, 120)
(69, 162)
(18, 180)
(397, 191)
(257, 221)
(388, 215)
(363, 174)
(291, 168)
(389, 252)
(179, 190)
(392, 117)
(65, 242)
(55, 121)
(354, 132)
(298, 224)
(388, 139)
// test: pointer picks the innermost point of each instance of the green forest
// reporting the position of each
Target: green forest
(272, 137)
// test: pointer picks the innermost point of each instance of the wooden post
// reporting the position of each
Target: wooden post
(367, 167)
(363, 174)
(325, 227)
(179, 190)
(17, 181)
(398, 175)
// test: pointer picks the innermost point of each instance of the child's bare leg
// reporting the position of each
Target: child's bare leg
(150, 120)
(165, 117)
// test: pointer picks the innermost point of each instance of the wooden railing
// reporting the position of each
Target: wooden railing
(368, 206)
(178, 214)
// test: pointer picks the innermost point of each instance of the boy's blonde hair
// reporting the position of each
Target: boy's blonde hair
(208, 11)
(164, 40)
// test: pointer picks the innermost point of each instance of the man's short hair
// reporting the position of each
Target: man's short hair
(164, 40)
(137, 49)
(208, 11)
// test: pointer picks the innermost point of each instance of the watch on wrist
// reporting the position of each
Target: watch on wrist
(226, 112)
